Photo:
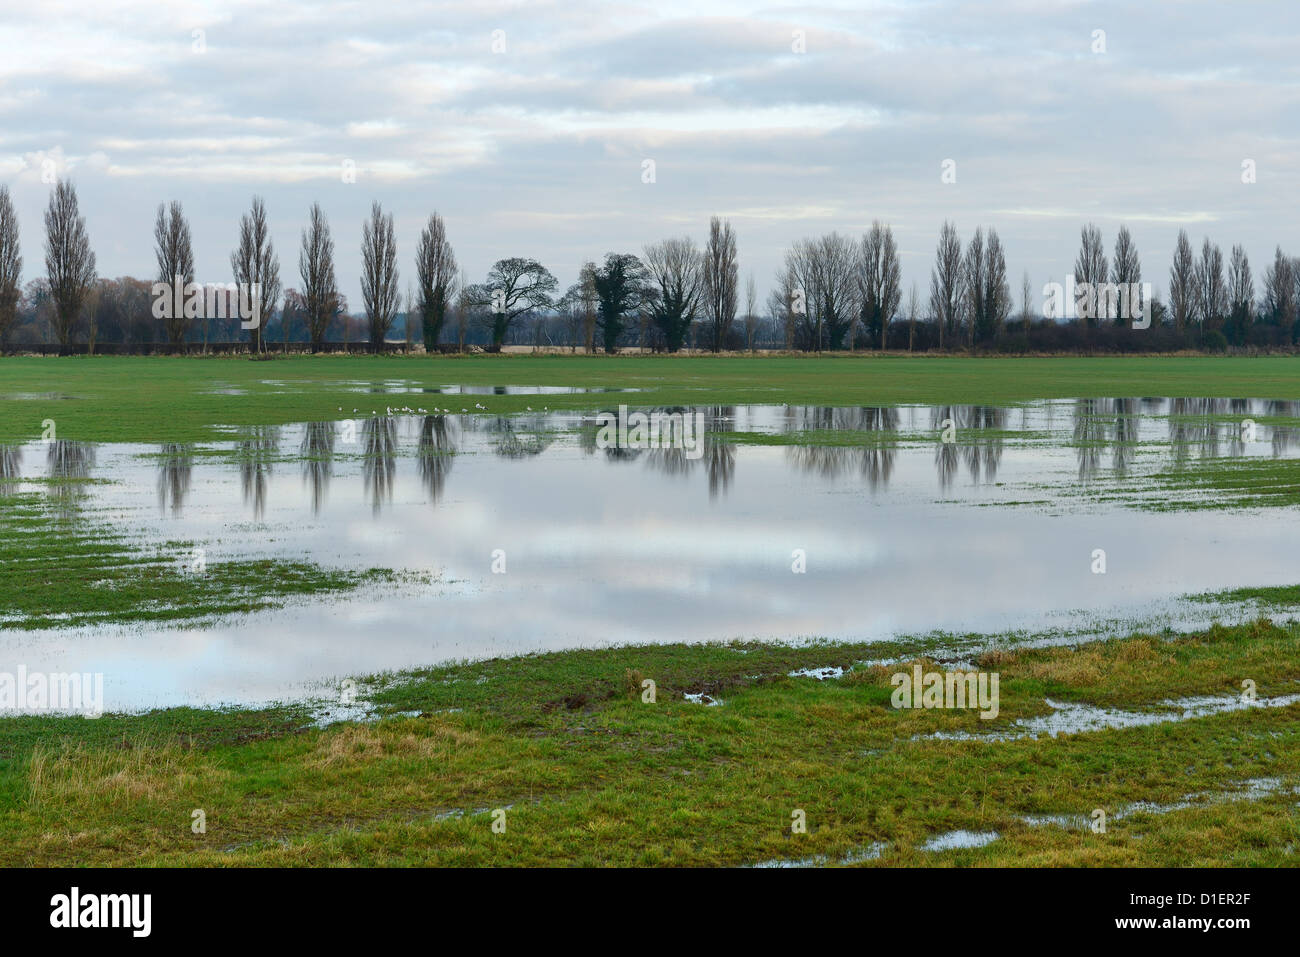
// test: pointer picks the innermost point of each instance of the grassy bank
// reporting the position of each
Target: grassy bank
(167, 399)
(584, 771)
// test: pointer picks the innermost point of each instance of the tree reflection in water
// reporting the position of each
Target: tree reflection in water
(317, 451)
(175, 469)
(256, 448)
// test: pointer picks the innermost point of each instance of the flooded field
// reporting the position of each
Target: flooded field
(528, 532)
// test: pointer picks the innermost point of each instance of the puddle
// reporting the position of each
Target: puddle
(899, 533)
(1073, 718)
(859, 856)
(704, 699)
(821, 674)
(959, 841)
(1254, 789)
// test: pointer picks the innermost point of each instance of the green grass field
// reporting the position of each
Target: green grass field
(580, 768)
(585, 771)
(162, 399)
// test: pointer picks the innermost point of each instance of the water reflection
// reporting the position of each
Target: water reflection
(677, 459)
(518, 437)
(379, 442)
(970, 435)
(983, 450)
(175, 467)
(1194, 428)
(435, 454)
(720, 461)
(317, 452)
(1126, 435)
(968, 442)
(642, 544)
(256, 448)
(69, 465)
(1089, 435)
(873, 459)
(1285, 437)
(11, 462)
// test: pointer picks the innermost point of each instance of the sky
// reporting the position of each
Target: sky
(529, 126)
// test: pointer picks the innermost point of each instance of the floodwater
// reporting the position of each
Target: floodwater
(532, 536)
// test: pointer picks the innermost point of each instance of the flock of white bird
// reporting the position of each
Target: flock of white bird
(407, 410)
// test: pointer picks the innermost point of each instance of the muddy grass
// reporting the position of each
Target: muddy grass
(569, 752)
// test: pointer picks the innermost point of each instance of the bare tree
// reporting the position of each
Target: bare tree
(1026, 297)
(69, 262)
(321, 303)
(879, 280)
(515, 287)
(1182, 281)
(435, 262)
(824, 279)
(676, 273)
(1279, 291)
(1090, 267)
(995, 300)
(1241, 295)
(974, 269)
(570, 310)
(590, 303)
(913, 311)
(379, 290)
(947, 282)
(1126, 272)
(256, 265)
(11, 266)
(1241, 285)
(751, 312)
(464, 307)
(95, 300)
(721, 276)
(780, 303)
(1211, 293)
(408, 319)
(175, 255)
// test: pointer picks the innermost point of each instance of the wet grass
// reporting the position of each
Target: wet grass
(171, 399)
(1276, 596)
(58, 572)
(584, 771)
(884, 438)
(1224, 483)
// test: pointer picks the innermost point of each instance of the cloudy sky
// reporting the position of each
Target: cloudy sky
(529, 125)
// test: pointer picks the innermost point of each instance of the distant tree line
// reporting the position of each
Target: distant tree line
(832, 292)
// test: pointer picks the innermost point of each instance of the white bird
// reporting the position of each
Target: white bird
(529, 408)
(464, 410)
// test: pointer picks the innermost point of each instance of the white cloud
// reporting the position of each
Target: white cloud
(548, 137)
